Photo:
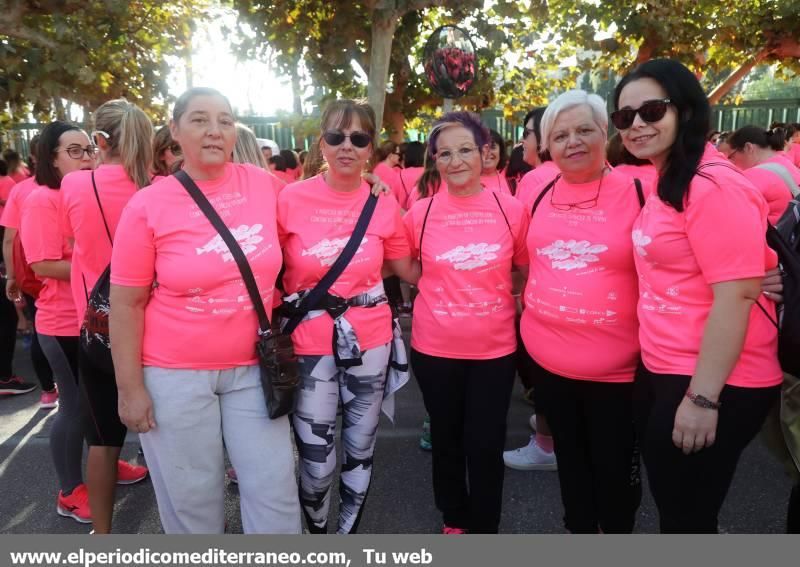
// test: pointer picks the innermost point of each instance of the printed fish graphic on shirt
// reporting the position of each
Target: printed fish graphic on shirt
(572, 254)
(471, 256)
(328, 250)
(247, 237)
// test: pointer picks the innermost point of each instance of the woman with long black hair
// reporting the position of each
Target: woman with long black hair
(710, 371)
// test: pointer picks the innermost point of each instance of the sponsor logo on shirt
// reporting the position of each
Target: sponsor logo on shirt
(572, 254)
(328, 250)
(471, 256)
(247, 237)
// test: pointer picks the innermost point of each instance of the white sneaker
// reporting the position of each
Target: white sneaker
(531, 457)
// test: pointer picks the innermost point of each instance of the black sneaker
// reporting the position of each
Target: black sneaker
(14, 385)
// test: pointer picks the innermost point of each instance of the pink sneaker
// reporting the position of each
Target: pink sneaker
(128, 473)
(76, 505)
(449, 530)
(48, 400)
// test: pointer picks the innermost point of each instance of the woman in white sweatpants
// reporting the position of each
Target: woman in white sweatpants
(183, 333)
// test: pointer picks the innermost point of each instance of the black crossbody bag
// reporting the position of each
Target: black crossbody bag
(274, 348)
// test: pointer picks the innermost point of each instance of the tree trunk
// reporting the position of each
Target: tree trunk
(297, 101)
(58, 105)
(726, 86)
(384, 24)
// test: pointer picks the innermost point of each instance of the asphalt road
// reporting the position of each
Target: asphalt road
(400, 498)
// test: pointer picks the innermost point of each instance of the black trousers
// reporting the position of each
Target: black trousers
(467, 401)
(595, 445)
(40, 364)
(689, 489)
(793, 516)
(8, 332)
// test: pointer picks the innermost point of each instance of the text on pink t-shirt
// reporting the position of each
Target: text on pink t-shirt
(580, 301)
(315, 222)
(199, 315)
(465, 308)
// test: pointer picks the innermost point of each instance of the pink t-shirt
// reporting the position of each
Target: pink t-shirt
(405, 183)
(579, 319)
(315, 222)
(772, 185)
(647, 174)
(533, 182)
(6, 183)
(12, 212)
(20, 175)
(465, 309)
(389, 175)
(200, 315)
(793, 154)
(496, 182)
(82, 221)
(719, 237)
(44, 239)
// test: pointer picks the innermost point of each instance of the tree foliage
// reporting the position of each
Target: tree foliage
(88, 51)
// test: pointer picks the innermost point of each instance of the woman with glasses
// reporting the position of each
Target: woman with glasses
(344, 347)
(467, 239)
(710, 371)
(579, 317)
(63, 148)
(166, 153)
(759, 154)
(91, 206)
(183, 332)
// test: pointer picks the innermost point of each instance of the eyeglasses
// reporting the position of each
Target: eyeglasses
(76, 152)
(650, 111)
(585, 204)
(446, 156)
(337, 137)
(733, 153)
(96, 133)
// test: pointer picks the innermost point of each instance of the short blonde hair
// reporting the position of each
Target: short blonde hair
(571, 99)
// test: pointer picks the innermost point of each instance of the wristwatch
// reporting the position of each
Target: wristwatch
(702, 401)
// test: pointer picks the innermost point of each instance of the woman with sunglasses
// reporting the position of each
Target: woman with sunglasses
(183, 333)
(316, 218)
(759, 154)
(710, 371)
(468, 240)
(166, 153)
(579, 318)
(63, 148)
(91, 206)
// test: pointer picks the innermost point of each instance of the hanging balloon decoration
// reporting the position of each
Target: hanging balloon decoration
(450, 62)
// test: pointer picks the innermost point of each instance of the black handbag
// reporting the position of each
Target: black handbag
(94, 339)
(274, 347)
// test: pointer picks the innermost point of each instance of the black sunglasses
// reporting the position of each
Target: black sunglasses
(336, 137)
(650, 111)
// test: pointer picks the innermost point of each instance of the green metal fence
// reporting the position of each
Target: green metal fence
(724, 117)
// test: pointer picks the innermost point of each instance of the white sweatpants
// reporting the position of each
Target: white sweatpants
(194, 410)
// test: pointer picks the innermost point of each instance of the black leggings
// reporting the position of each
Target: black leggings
(8, 332)
(40, 365)
(595, 445)
(689, 489)
(467, 401)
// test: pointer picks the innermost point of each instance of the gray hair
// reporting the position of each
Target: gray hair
(571, 99)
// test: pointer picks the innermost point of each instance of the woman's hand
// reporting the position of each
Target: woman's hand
(772, 285)
(378, 186)
(695, 427)
(136, 410)
(12, 291)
